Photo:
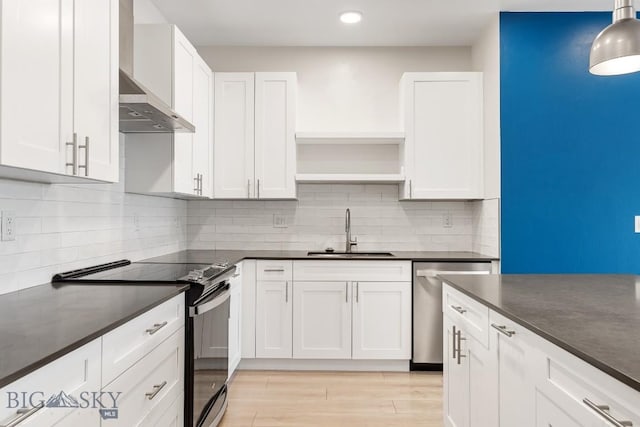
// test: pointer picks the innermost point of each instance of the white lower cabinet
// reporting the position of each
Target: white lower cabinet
(382, 320)
(470, 384)
(274, 303)
(341, 310)
(150, 385)
(321, 320)
(520, 379)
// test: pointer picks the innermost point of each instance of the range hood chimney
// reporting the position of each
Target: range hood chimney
(140, 110)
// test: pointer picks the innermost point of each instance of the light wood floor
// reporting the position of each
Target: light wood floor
(335, 399)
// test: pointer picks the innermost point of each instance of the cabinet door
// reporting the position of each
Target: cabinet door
(382, 320)
(321, 320)
(515, 386)
(33, 58)
(443, 125)
(96, 88)
(482, 382)
(235, 324)
(203, 121)
(275, 127)
(184, 55)
(234, 138)
(274, 304)
(455, 379)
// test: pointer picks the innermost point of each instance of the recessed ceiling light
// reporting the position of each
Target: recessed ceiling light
(351, 17)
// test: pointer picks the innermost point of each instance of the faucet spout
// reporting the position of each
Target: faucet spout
(350, 243)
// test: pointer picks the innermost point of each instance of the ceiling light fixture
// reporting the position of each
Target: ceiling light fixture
(616, 50)
(351, 17)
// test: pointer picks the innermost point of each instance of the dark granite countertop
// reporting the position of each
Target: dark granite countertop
(43, 323)
(232, 256)
(594, 317)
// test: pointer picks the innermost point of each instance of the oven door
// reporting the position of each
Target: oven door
(210, 357)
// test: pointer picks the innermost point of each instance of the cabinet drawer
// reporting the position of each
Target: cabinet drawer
(363, 271)
(151, 385)
(568, 378)
(77, 374)
(124, 346)
(472, 316)
(276, 270)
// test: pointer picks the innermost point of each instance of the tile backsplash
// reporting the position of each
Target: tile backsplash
(316, 221)
(62, 227)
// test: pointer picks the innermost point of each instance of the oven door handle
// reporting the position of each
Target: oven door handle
(209, 304)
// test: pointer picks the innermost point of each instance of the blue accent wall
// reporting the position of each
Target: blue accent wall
(570, 150)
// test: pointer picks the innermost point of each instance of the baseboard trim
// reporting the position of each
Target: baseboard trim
(324, 365)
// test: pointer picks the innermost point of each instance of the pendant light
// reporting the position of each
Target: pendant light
(616, 50)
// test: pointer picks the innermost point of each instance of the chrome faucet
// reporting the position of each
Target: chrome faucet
(347, 228)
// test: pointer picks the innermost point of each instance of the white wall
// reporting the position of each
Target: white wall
(486, 58)
(63, 227)
(342, 89)
(316, 221)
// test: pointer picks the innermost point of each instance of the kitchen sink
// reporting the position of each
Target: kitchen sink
(350, 255)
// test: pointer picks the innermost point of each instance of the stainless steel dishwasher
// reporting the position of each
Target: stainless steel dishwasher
(427, 309)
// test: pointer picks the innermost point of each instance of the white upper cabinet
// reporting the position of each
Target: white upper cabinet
(65, 71)
(234, 139)
(443, 122)
(275, 126)
(255, 151)
(96, 88)
(181, 163)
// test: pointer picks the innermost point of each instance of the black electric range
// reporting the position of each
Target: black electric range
(207, 324)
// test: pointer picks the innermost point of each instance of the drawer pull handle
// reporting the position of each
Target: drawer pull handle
(23, 414)
(603, 411)
(156, 328)
(274, 270)
(459, 309)
(503, 329)
(156, 390)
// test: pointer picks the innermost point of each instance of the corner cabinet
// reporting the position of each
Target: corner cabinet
(443, 122)
(178, 164)
(68, 71)
(254, 142)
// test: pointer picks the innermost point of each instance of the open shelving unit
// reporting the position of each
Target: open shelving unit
(349, 157)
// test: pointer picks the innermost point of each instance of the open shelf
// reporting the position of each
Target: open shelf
(370, 138)
(379, 178)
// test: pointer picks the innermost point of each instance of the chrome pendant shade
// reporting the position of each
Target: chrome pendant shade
(616, 50)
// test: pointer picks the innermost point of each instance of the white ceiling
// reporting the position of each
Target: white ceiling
(316, 23)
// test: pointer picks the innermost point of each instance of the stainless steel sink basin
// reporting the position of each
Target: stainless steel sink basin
(350, 255)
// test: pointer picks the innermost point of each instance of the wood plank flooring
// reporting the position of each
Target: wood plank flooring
(335, 399)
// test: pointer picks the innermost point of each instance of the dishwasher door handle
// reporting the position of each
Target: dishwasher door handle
(433, 273)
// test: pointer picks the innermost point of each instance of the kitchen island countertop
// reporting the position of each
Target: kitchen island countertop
(594, 317)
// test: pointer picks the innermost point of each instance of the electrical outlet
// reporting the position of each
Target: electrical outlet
(136, 222)
(447, 220)
(176, 221)
(637, 221)
(8, 225)
(279, 221)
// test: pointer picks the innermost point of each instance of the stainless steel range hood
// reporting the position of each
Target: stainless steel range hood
(140, 110)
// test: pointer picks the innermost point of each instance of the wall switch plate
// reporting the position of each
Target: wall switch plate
(637, 221)
(447, 220)
(8, 225)
(279, 221)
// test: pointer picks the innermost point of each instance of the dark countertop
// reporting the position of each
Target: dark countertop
(43, 323)
(594, 317)
(232, 257)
